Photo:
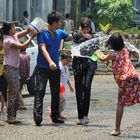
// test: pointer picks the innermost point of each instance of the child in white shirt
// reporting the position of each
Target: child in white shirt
(64, 61)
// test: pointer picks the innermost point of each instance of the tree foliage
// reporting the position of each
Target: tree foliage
(119, 12)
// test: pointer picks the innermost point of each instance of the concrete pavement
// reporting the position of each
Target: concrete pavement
(102, 118)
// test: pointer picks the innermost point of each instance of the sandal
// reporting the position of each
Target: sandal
(115, 133)
(81, 122)
(86, 120)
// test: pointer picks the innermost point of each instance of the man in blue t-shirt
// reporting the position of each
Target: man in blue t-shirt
(48, 67)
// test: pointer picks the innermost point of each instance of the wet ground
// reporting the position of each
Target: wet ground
(102, 118)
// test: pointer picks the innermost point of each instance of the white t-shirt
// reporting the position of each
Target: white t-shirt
(64, 74)
(68, 25)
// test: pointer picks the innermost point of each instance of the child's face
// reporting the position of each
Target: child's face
(1, 44)
(66, 61)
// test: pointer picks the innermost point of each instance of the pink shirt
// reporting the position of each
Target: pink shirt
(24, 68)
(12, 55)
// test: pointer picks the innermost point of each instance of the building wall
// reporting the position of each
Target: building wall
(13, 9)
(47, 7)
(2, 10)
(136, 4)
(67, 6)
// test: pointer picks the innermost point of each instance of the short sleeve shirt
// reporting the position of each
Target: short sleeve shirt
(122, 66)
(52, 46)
(12, 55)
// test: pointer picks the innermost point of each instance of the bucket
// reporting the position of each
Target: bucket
(38, 24)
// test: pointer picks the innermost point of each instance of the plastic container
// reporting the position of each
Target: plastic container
(38, 24)
(62, 89)
(94, 57)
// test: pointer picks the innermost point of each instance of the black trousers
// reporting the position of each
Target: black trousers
(84, 70)
(42, 76)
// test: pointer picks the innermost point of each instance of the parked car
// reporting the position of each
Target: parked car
(32, 50)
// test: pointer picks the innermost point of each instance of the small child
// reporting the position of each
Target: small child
(64, 61)
(64, 81)
(125, 76)
(3, 83)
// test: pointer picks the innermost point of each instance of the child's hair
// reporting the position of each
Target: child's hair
(85, 25)
(116, 42)
(64, 56)
(1, 34)
(22, 50)
(7, 27)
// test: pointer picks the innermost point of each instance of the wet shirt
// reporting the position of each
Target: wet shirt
(122, 66)
(12, 55)
(52, 46)
(85, 49)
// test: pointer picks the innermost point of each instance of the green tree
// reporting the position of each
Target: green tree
(78, 13)
(119, 12)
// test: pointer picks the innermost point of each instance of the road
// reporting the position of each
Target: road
(102, 118)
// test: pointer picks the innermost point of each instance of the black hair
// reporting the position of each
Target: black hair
(1, 34)
(54, 17)
(85, 22)
(67, 15)
(85, 25)
(115, 42)
(7, 27)
(25, 13)
(65, 56)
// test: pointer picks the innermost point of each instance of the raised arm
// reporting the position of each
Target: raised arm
(69, 37)
(102, 56)
(23, 33)
(19, 45)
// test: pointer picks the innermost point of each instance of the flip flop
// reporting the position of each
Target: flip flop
(115, 133)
